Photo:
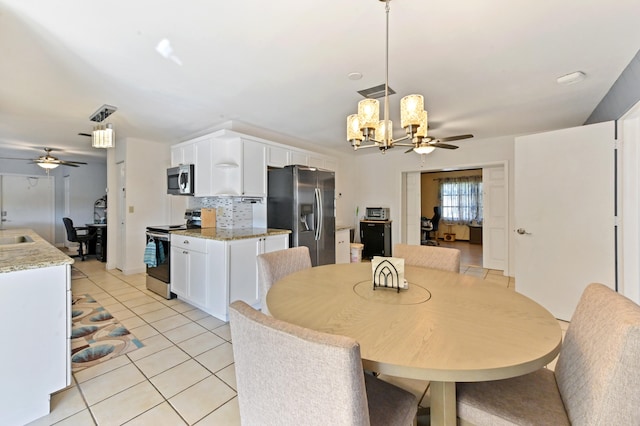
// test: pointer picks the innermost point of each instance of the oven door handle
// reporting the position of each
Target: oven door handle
(158, 236)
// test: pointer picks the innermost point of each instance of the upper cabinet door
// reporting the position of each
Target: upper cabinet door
(277, 156)
(254, 169)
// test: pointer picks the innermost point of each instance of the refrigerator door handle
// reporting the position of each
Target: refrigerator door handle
(318, 200)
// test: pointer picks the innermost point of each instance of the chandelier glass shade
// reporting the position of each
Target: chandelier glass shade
(103, 136)
(366, 130)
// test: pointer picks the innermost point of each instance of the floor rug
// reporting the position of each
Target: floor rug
(96, 336)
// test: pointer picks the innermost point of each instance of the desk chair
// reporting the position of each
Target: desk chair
(435, 222)
(291, 375)
(80, 235)
(445, 259)
(596, 379)
(278, 264)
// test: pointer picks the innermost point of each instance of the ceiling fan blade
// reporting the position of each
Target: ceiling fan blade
(71, 163)
(443, 145)
(14, 158)
(84, 134)
(455, 138)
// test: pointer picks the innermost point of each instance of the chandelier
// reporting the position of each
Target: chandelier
(103, 135)
(366, 130)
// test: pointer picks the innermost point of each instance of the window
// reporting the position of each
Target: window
(461, 199)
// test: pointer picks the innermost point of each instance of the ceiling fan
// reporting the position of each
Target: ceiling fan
(48, 161)
(429, 143)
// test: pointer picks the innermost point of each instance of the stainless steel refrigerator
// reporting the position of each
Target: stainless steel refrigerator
(302, 199)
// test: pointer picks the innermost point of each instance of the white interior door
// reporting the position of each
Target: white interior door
(122, 202)
(564, 214)
(495, 222)
(28, 202)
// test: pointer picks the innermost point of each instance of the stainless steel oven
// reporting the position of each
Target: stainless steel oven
(159, 275)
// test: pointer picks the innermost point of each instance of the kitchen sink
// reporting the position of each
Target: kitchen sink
(18, 239)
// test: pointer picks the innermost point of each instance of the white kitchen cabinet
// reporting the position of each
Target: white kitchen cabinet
(203, 172)
(343, 246)
(183, 153)
(277, 156)
(299, 157)
(254, 169)
(243, 274)
(189, 269)
(210, 274)
(36, 309)
(275, 243)
(238, 167)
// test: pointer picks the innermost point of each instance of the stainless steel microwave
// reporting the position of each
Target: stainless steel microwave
(180, 180)
(377, 213)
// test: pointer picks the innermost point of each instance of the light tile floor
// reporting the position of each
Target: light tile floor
(184, 374)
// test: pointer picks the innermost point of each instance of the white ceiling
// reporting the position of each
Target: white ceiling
(484, 67)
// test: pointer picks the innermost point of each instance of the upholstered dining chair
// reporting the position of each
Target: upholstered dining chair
(277, 264)
(290, 375)
(596, 379)
(443, 258)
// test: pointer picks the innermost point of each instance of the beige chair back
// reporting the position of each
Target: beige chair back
(278, 264)
(290, 375)
(598, 371)
(446, 259)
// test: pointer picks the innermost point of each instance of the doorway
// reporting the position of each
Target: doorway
(495, 235)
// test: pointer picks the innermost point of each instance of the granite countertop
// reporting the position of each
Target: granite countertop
(221, 234)
(31, 255)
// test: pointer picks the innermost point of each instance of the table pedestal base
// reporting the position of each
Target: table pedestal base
(443, 403)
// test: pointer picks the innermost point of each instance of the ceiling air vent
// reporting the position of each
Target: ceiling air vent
(375, 92)
(102, 113)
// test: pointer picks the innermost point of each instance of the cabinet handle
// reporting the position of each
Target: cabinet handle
(185, 242)
(185, 252)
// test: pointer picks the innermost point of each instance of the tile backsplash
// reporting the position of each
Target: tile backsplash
(231, 212)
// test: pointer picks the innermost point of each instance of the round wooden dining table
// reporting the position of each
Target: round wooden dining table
(446, 327)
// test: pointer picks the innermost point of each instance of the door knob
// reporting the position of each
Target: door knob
(522, 231)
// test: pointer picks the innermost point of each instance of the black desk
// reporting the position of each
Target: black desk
(98, 245)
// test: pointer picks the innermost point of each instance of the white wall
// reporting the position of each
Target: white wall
(147, 202)
(378, 180)
(87, 184)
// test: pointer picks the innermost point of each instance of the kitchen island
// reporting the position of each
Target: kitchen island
(221, 234)
(35, 281)
(212, 267)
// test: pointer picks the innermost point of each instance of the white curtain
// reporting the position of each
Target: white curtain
(461, 199)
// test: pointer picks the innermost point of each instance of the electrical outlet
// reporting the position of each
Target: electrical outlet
(130, 209)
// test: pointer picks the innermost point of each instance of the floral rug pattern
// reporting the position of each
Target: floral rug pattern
(96, 336)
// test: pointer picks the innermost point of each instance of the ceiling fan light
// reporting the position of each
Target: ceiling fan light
(353, 128)
(424, 125)
(48, 165)
(411, 108)
(368, 113)
(103, 136)
(424, 149)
